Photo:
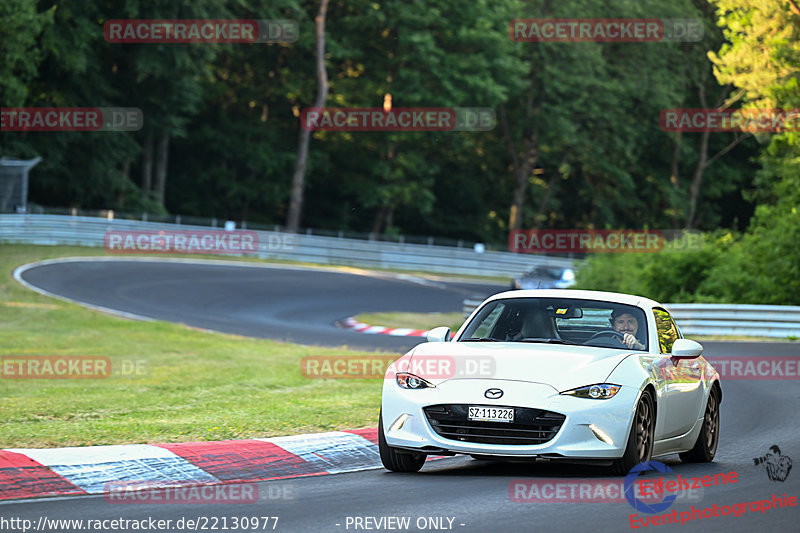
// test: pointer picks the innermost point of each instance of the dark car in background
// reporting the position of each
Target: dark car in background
(542, 277)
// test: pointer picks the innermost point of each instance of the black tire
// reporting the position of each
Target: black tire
(395, 460)
(640, 441)
(705, 448)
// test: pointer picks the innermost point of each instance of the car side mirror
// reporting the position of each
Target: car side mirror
(686, 349)
(440, 334)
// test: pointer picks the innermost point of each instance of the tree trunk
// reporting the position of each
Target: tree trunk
(126, 177)
(674, 175)
(147, 163)
(162, 156)
(382, 216)
(704, 161)
(299, 177)
(538, 217)
(697, 178)
(522, 176)
(522, 167)
(385, 214)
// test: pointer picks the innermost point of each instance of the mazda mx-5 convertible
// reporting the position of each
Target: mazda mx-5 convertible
(553, 375)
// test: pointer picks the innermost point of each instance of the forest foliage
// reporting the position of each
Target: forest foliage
(577, 144)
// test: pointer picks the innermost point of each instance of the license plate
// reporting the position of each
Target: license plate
(491, 414)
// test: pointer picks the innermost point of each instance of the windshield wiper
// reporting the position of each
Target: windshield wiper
(480, 339)
(543, 340)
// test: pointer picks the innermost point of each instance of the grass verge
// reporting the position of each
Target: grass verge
(190, 385)
(413, 320)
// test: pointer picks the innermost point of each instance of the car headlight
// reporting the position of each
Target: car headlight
(410, 381)
(600, 391)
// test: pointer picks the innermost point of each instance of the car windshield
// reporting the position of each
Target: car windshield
(541, 272)
(595, 323)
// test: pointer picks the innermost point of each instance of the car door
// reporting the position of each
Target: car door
(683, 379)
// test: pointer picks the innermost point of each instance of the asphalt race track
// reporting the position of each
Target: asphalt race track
(283, 303)
(302, 305)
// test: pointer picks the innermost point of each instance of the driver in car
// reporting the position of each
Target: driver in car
(625, 323)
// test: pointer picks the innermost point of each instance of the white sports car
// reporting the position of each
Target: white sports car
(553, 375)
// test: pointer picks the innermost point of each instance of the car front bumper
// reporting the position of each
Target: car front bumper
(587, 421)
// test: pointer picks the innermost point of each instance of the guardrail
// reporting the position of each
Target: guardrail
(737, 319)
(777, 321)
(89, 231)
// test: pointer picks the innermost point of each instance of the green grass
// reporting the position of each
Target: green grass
(413, 320)
(195, 385)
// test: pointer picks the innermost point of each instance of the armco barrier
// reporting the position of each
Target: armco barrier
(779, 321)
(693, 319)
(737, 319)
(89, 231)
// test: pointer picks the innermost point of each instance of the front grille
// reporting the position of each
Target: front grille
(530, 426)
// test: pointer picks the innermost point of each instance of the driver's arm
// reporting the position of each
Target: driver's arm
(631, 342)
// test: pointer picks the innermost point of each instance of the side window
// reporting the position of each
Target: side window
(667, 330)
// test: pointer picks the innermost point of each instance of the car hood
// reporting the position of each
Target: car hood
(562, 367)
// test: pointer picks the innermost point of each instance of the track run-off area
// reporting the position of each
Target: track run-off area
(302, 305)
